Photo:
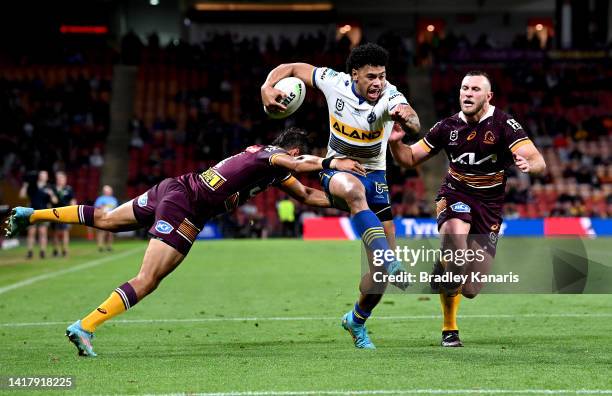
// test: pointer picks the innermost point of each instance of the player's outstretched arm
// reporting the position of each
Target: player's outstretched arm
(406, 156)
(312, 163)
(270, 96)
(407, 117)
(529, 160)
(306, 195)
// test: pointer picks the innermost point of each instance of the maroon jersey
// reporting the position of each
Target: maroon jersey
(478, 153)
(234, 180)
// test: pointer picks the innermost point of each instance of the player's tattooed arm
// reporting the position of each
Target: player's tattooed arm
(306, 195)
(270, 96)
(413, 123)
(528, 159)
(311, 163)
(407, 117)
(406, 156)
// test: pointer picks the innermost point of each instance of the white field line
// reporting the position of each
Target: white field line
(49, 275)
(319, 318)
(410, 392)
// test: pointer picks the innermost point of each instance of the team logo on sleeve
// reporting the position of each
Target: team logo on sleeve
(143, 199)
(163, 227)
(460, 207)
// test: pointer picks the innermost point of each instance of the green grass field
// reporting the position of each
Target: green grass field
(263, 318)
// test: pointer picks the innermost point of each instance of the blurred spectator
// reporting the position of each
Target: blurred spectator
(41, 196)
(106, 202)
(511, 211)
(65, 197)
(95, 159)
(286, 215)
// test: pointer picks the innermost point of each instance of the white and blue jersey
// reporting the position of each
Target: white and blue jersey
(359, 130)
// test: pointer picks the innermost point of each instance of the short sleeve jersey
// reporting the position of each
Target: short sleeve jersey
(358, 129)
(478, 153)
(231, 182)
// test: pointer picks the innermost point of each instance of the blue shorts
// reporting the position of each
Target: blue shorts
(376, 189)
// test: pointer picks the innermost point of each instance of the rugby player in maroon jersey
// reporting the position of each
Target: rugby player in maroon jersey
(176, 209)
(481, 142)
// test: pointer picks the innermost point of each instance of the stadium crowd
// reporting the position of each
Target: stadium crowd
(197, 103)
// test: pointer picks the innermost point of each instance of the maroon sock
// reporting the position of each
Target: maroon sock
(127, 294)
(86, 215)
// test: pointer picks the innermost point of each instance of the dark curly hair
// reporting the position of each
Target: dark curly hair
(366, 54)
(292, 137)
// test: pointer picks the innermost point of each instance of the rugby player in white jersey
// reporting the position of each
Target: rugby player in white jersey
(363, 107)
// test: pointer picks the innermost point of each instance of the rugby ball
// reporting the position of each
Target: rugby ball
(295, 90)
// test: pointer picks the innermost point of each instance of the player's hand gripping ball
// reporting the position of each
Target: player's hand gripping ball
(291, 94)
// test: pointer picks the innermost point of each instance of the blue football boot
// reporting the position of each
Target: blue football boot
(18, 220)
(357, 331)
(81, 339)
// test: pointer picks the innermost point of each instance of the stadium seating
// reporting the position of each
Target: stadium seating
(54, 117)
(196, 104)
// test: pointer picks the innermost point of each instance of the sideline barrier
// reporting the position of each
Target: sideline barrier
(341, 228)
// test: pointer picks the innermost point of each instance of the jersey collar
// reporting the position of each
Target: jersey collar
(361, 98)
(488, 114)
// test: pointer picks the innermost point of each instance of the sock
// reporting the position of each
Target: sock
(359, 315)
(75, 214)
(120, 300)
(450, 306)
(372, 233)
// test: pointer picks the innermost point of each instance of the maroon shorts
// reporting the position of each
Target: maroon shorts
(485, 218)
(168, 211)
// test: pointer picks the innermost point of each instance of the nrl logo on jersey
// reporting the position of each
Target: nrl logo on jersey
(339, 104)
(470, 159)
(453, 137)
